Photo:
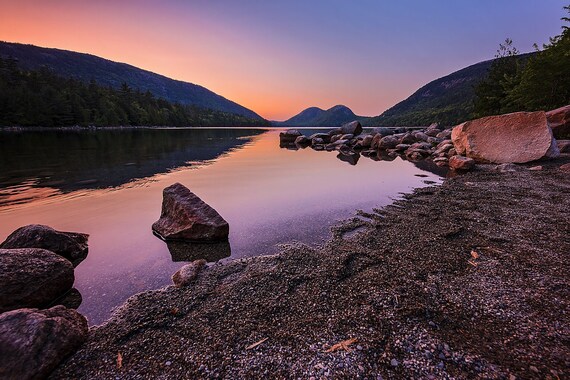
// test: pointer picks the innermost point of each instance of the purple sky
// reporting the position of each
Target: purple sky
(279, 57)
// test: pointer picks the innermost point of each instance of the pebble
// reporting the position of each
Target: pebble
(168, 363)
(394, 363)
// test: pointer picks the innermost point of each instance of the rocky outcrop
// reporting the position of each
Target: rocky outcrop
(32, 277)
(354, 128)
(71, 245)
(185, 216)
(33, 342)
(559, 121)
(517, 137)
(188, 273)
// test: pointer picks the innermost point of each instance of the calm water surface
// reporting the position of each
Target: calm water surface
(109, 184)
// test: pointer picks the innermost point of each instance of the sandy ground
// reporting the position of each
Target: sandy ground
(467, 280)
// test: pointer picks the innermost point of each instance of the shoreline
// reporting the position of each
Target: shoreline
(409, 289)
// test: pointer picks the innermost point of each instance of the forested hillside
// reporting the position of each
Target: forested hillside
(42, 98)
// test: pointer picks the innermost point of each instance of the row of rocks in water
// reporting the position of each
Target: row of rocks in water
(38, 325)
(513, 138)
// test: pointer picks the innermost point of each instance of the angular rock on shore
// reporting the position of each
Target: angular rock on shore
(33, 342)
(185, 216)
(32, 277)
(71, 245)
(516, 137)
(559, 121)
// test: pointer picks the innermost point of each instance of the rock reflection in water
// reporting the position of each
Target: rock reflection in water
(211, 252)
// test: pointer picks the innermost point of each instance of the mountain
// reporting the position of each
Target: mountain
(447, 100)
(86, 67)
(317, 117)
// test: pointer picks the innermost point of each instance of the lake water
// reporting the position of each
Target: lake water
(108, 183)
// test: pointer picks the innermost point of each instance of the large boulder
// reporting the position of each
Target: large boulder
(516, 137)
(71, 245)
(185, 216)
(32, 277)
(33, 342)
(559, 121)
(354, 128)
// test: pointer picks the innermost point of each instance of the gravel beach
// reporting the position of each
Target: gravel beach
(470, 279)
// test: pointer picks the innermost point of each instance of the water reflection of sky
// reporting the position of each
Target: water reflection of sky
(267, 194)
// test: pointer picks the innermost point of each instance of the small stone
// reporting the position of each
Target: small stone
(168, 363)
(394, 363)
(536, 168)
(533, 369)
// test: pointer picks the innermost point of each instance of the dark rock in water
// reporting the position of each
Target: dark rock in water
(71, 245)
(383, 131)
(408, 138)
(421, 136)
(211, 252)
(446, 134)
(354, 128)
(323, 136)
(32, 277)
(336, 131)
(387, 142)
(188, 273)
(186, 217)
(366, 141)
(33, 342)
(347, 156)
(72, 299)
(317, 141)
(302, 141)
(289, 136)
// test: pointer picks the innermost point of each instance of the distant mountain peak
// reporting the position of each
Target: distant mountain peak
(317, 117)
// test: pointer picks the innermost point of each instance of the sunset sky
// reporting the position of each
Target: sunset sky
(279, 57)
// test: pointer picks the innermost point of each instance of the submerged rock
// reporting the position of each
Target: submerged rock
(185, 216)
(32, 277)
(33, 342)
(71, 245)
(512, 138)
